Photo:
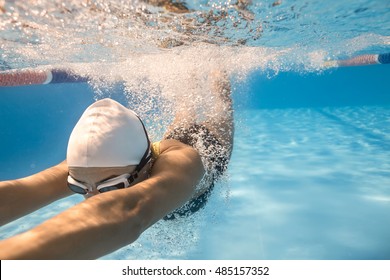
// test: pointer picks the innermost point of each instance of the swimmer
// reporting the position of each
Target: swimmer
(129, 183)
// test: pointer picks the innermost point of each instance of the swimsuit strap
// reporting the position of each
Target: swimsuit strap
(156, 149)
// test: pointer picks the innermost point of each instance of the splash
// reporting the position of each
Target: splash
(44, 32)
(163, 51)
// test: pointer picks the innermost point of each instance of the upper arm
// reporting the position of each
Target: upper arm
(178, 163)
(173, 180)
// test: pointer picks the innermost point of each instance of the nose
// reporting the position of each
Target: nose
(91, 193)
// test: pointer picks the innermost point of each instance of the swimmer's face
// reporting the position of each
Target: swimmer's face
(93, 176)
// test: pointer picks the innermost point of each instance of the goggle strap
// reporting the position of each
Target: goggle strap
(147, 155)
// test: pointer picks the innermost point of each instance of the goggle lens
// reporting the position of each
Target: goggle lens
(117, 183)
(111, 188)
(77, 189)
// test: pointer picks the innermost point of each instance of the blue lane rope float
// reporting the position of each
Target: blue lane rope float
(63, 76)
(384, 58)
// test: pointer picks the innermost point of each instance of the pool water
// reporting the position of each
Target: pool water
(310, 171)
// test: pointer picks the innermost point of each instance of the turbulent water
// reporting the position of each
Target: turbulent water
(167, 48)
(201, 32)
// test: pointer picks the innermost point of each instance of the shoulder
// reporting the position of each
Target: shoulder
(170, 145)
(177, 157)
(171, 148)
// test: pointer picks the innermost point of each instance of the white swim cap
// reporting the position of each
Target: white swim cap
(107, 135)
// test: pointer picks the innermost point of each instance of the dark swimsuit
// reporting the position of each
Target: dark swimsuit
(215, 158)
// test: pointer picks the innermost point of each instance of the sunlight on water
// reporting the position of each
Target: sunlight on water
(39, 32)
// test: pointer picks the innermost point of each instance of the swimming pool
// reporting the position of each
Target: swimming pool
(309, 176)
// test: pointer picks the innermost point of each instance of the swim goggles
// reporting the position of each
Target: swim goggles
(120, 182)
(116, 183)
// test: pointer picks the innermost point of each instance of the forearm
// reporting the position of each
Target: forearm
(88, 230)
(22, 196)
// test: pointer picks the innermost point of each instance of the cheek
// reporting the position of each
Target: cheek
(142, 176)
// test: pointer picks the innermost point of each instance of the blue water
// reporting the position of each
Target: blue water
(310, 171)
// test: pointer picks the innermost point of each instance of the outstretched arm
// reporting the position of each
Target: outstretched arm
(23, 196)
(108, 221)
